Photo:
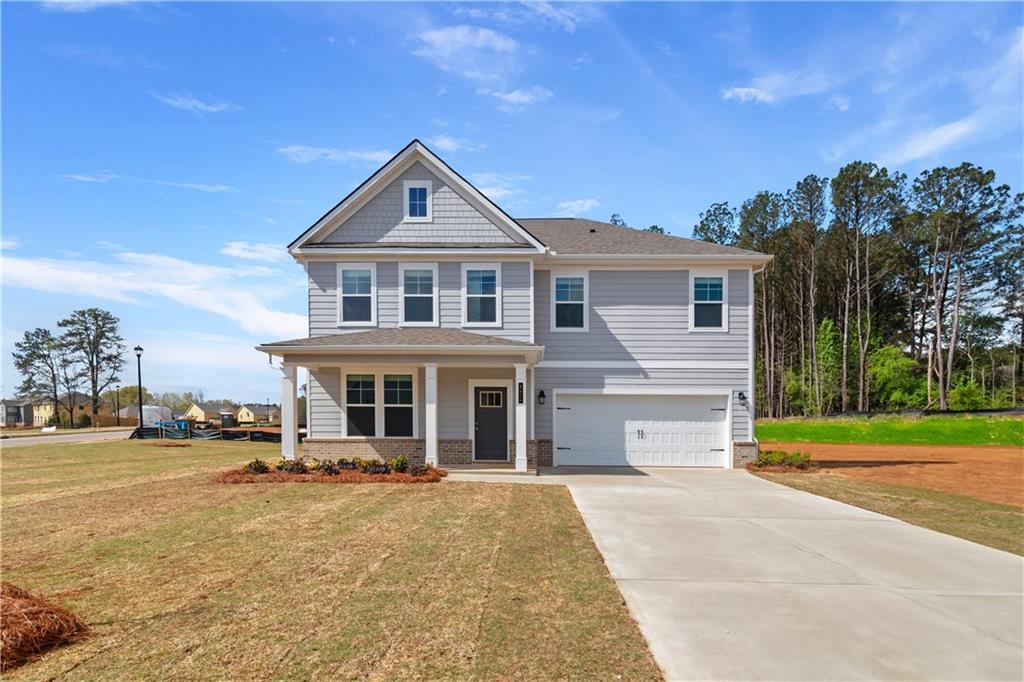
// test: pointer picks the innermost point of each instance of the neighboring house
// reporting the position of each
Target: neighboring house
(42, 410)
(204, 412)
(443, 329)
(255, 413)
(17, 412)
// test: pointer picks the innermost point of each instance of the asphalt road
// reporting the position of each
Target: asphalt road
(84, 437)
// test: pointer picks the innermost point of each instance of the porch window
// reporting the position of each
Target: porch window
(569, 301)
(360, 405)
(356, 294)
(419, 294)
(481, 285)
(398, 405)
(708, 311)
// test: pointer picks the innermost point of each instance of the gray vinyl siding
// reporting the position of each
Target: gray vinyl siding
(455, 220)
(515, 296)
(547, 379)
(453, 396)
(643, 315)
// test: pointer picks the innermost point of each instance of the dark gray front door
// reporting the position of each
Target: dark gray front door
(491, 428)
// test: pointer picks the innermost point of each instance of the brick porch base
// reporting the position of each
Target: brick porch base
(450, 452)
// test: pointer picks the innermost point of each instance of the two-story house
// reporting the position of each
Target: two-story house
(443, 329)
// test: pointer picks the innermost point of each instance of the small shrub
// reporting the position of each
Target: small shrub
(417, 469)
(292, 466)
(329, 468)
(84, 421)
(347, 464)
(364, 464)
(257, 466)
(53, 421)
(378, 468)
(399, 464)
(781, 458)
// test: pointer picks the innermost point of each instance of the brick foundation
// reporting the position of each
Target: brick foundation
(743, 453)
(450, 451)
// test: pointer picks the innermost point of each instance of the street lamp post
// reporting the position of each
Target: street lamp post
(117, 404)
(267, 416)
(138, 356)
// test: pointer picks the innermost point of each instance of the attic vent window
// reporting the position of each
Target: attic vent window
(418, 201)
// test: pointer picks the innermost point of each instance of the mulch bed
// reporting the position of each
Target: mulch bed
(348, 476)
(30, 626)
(782, 469)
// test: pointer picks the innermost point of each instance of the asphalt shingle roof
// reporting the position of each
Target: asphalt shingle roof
(404, 337)
(579, 236)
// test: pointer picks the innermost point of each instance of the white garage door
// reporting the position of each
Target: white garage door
(640, 430)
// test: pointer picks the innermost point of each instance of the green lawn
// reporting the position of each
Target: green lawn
(987, 523)
(902, 430)
(181, 578)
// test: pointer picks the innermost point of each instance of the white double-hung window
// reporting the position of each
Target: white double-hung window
(481, 294)
(709, 293)
(357, 294)
(418, 285)
(570, 300)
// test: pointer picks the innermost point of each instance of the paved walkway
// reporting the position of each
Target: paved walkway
(735, 578)
(82, 437)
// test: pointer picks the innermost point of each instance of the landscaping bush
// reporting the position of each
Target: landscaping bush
(784, 460)
(292, 466)
(347, 464)
(257, 466)
(328, 468)
(399, 464)
(378, 468)
(30, 626)
(84, 421)
(417, 469)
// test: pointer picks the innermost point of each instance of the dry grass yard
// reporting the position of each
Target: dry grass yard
(181, 578)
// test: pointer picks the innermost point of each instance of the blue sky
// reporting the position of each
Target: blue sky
(156, 157)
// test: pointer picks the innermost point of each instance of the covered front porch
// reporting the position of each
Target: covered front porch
(448, 398)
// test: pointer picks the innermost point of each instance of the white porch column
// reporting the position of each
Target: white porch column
(430, 411)
(289, 411)
(520, 397)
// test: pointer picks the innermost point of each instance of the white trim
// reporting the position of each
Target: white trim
(719, 258)
(533, 295)
(430, 411)
(391, 253)
(642, 364)
(378, 372)
(402, 267)
(640, 390)
(414, 151)
(750, 343)
(339, 293)
(520, 420)
(464, 298)
(562, 272)
(709, 272)
(473, 384)
(422, 184)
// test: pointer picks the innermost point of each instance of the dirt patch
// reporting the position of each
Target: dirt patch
(432, 476)
(31, 626)
(986, 472)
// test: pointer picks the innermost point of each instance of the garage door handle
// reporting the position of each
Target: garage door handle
(561, 448)
(717, 449)
(563, 408)
(718, 409)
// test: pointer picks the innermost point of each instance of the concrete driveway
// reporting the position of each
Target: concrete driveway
(735, 578)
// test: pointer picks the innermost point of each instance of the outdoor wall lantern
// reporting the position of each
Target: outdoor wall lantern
(743, 398)
(541, 398)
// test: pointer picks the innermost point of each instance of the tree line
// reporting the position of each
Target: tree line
(85, 355)
(884, 293)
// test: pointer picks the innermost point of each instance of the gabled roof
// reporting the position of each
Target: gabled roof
(412, 152)
(402, 336)
(578, 236)
(215, 408)
(260, 408)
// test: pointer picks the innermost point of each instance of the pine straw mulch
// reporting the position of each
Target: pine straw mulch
(347, 476)
(169, 444)
(30, 626)
(784, 469)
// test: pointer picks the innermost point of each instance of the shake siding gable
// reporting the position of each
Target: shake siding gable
(455, 220)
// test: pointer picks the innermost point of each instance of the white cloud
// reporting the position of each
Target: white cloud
(479, 54)
(931, 141)
(238, 293)
(498, 185)
(519, 98)
(448, 143)
(9, 243)
(304, 154)
(839, 102)
(776, 87)
(562, 15)
(188, 102)
(575, 207)
(80, 6)
(270, 253)
(102, 176)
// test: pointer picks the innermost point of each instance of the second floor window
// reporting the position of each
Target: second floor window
(569, 301)
(482, 287)
(708, 313)
(419, 293)
(356, 305)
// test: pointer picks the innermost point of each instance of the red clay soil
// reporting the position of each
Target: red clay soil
(987, 472)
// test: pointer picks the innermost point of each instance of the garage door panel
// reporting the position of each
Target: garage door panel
(640, 430)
